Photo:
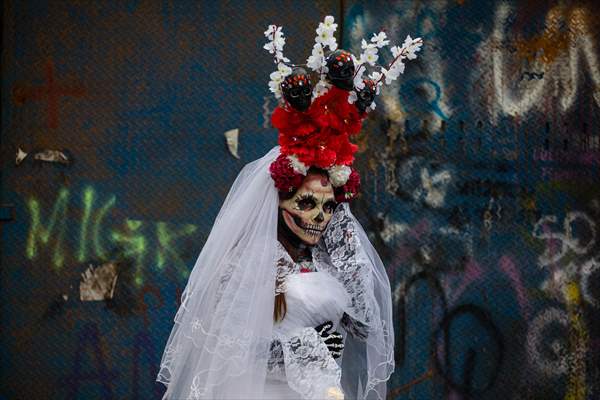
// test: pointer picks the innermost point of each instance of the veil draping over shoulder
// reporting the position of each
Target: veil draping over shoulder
(220, 342)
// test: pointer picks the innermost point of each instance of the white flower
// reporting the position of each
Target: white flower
(323, 35)
(352, 97)
(275, 89)
(366, 45)
(326, 38)
(270, 47)
(327, 27)
(376, 76)
(325, 32)
(358, 78)
(316, 60)
(412, 47)
(320, 88)
(371, 56)
(276, 77)
(276, 43)
(283, 69)
(380, 39)
(298, 166)
(271, 29)
(371, 106)
(328, 22)
(281, 58)
(395, 70)
(339, 174)
(396, 51)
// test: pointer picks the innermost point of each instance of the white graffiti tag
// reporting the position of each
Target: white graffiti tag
(567, 240)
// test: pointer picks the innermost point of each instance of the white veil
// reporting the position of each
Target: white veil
(220, 343)
(346, 253)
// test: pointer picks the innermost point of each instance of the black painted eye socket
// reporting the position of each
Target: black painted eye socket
(306, 91)
(306, 203)
(329, 207)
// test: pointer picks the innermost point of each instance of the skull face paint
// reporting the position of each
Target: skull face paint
(341, 69)
(308, 212)
(297, 89)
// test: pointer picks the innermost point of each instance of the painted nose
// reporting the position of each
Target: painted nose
(320, 217)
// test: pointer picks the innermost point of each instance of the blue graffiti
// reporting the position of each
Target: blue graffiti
(410, 92)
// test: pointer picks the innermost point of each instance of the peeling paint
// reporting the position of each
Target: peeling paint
(98, 283)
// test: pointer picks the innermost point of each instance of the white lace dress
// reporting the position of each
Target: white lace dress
(301, 366)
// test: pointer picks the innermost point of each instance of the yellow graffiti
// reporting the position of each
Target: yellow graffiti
(99, 250)
(561, 54)
(131, 237)
(578, 340)
(166, 241)
(550, 43)
(88, 200)
(55, 228)
(133, 244)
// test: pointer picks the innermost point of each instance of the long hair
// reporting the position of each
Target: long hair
(280, 308)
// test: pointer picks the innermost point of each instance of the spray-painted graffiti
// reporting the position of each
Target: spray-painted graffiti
(479, 169)
(100, 374)
(561, 53)
(147, 243)
(51, 92)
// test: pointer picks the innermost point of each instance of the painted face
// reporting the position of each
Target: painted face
(308, 212)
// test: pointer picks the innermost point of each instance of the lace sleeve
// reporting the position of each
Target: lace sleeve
(338, 254)
(275, 364)
(309, 366)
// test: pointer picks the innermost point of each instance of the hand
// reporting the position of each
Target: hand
(333, 340)
(335, 394)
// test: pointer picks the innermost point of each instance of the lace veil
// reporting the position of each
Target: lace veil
(219, 346)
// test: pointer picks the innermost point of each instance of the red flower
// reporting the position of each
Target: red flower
(282, 172)
(321, 135)
(333, 110)
(350, 190)
(291, 122)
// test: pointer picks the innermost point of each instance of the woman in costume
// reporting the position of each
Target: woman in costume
(288, 299)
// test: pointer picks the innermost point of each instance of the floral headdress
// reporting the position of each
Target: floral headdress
(315, 122)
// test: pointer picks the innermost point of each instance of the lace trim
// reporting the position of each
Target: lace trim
(309, 366)
(276, 364)
(337, 253)
(286, 266)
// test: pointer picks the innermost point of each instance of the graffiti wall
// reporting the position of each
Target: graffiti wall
(480, 170)
(482, 190)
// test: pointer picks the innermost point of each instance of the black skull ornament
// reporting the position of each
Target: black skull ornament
(297, 89)
(340, 69)
(366, 95)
